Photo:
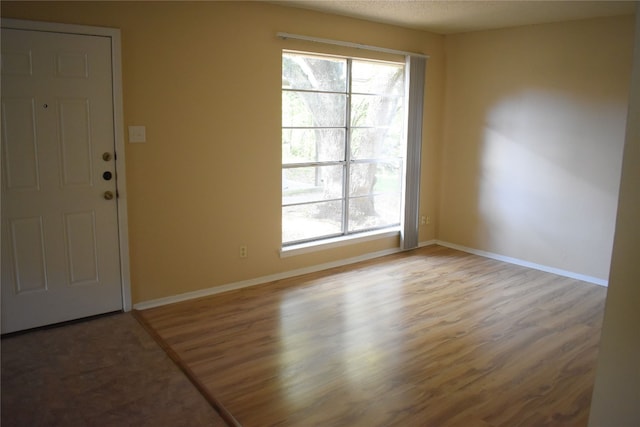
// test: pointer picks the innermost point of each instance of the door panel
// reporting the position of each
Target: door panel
(60, 252)
(73, 125)
(19, 137)
(80, 233)
(27, 254)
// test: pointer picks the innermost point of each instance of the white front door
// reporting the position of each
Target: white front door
(60, 249)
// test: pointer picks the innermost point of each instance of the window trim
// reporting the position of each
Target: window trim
(339, 241)
(346, 236)
(360, 46)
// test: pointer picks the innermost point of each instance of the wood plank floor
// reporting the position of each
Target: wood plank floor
(431, 337)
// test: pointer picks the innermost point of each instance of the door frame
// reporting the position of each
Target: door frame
(118, 127)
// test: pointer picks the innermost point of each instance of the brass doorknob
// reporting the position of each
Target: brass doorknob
(108, 195)
(106, 156)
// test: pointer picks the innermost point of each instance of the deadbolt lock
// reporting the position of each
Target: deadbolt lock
(108, 195)
(106, 156)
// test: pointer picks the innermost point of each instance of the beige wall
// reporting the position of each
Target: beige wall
(521, 158)
(533, 136)
(616, 396)
(204, 78)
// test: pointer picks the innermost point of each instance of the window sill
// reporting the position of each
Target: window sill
(321, 245)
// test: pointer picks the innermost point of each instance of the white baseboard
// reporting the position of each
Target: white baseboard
(516, 261)
(260, 280)
(315, 268)
(427, 243)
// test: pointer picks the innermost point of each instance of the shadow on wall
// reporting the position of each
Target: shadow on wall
(535, 124)
(549, 174)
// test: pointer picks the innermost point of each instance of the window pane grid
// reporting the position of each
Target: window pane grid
(312, 202)
(315, 127)
(304, 165)
(374, 94)
(331, 92)
(370, 185)
(377, 95)
(347, 175)
(374, 127)
(377, 160)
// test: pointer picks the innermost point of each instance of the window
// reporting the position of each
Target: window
(343, 146)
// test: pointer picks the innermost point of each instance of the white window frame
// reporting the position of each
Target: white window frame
(345, 236)
(416, 67)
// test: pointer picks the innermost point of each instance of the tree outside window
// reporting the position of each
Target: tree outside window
(343, 145)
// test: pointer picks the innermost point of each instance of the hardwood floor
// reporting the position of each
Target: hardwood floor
(432, 337)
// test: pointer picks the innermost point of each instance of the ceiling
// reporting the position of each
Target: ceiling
(453, 16)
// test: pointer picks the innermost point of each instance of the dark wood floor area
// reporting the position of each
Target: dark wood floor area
(432, 337)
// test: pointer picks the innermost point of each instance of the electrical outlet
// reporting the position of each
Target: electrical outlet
(423, 220)
(428, 220)
(243, 251)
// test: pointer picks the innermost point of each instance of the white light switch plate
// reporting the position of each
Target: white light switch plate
(137, 134)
